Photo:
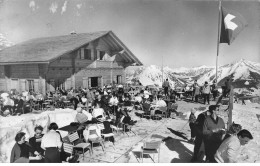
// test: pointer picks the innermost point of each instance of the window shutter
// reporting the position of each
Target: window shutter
(36, 85)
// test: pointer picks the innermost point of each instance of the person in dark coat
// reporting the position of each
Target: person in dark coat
(35, 142)
(22, 151)
(213, 131)
(199, 136)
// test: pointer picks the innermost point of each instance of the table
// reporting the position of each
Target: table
(69, 128)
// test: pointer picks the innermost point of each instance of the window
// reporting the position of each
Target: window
(87, 54)
(101, 54)
(30, 85)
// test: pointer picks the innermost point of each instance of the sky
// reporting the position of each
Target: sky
(170, 32)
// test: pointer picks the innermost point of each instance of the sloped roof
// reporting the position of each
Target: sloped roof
(44, 50)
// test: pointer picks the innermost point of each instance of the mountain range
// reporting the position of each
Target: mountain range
(245, 75)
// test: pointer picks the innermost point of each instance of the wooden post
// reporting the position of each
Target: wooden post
(231, 96)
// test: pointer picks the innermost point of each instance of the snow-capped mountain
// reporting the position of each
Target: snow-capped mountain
(195, 71)
(4, 42)
(245, 75)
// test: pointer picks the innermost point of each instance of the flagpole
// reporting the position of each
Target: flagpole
(162, 69)
(219, 19)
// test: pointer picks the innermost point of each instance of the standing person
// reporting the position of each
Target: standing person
(194, 89)
(199, 151)
(229, 149)
(192, 120)
(22, 151)
(51, 143)
(225, 90)
(214, 90)
(206, 92)
(35, 142)
(213, 131)
(166, 86)
(196, 93)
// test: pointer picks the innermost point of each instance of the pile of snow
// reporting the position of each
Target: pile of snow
(10, 126)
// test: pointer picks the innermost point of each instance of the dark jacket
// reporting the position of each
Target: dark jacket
(36, 144)
(17, 152)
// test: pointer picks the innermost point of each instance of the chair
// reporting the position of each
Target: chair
(109, 131)
(68, 148)
(73, 137)
(94, 137)
(151, 148)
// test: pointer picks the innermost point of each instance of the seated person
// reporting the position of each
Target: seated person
(84, 100)
(35, 142)
(126, 119)
(80, 117)
(88, 114)
(146, 107)
(113, 102)
(108, 131)
(138, 98)
(156, 108)
(98, 112)
(22, 151)
(128, 104)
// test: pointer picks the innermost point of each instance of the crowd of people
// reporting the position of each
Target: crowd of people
(111, 106)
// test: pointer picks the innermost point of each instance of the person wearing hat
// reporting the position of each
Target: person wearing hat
(192, 120)
(206, 92)
(213, 131)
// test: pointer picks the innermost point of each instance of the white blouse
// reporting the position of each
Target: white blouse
(51, 139)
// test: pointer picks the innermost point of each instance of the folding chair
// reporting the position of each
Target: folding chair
(73, 137)
(151, 148)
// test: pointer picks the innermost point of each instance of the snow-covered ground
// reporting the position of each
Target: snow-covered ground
(176, 149)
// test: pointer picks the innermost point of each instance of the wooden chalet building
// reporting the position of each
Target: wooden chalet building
(75, 60)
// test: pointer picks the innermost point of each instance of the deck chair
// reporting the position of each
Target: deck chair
(151, 148)
(73, 137)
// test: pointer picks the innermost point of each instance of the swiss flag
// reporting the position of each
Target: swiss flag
(232, 23)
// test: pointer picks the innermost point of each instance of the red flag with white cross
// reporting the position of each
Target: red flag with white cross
(232, 23)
